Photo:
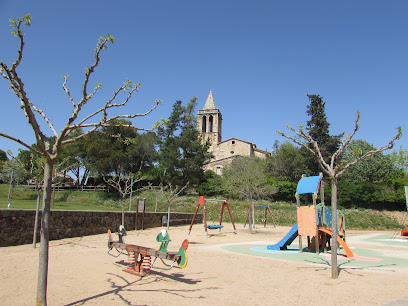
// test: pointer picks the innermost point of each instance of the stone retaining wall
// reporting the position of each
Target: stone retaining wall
(17, 226)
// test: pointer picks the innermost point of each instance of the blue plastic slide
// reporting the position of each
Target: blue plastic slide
(285, 241)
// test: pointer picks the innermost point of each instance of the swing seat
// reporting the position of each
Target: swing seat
(214, 226)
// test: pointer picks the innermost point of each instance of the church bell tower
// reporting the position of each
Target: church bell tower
(209, 121)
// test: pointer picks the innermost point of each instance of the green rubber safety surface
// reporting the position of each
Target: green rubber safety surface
(388, 240)
(378, 259)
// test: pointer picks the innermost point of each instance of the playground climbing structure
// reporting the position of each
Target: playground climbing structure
(314, 221)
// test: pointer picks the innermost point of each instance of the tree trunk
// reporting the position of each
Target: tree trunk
(168, 217)
(44, 234)
(250, 215)
(123, 212)
(335, 271)
(84, 177)
(36, 217)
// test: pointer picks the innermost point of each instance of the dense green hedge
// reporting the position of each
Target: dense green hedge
(388, 194)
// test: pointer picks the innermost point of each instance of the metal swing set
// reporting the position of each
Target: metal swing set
(201, 202)
(267, 210)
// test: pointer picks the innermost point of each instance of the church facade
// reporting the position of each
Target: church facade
(209, 124)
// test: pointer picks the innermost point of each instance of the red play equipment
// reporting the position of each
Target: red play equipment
(404, 232)
(201, 202)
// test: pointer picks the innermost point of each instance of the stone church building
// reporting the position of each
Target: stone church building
(209, 123)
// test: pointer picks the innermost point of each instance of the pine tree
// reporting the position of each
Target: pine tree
(181, 152)
(318, 129)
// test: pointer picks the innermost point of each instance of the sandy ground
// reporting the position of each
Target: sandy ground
(82, 273)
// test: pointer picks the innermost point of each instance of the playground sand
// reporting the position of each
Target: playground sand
(82, 273)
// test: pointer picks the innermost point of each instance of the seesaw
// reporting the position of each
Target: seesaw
(140, 257)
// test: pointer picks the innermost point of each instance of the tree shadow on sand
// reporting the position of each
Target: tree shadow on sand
(73, 242)
(134, 286)
(327, 265)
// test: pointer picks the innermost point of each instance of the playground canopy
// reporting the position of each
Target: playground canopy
(308, 184)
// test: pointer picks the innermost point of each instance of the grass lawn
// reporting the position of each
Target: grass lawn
(284, 213)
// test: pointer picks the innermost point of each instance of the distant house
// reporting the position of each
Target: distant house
(209, 123)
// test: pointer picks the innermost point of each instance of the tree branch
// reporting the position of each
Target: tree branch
(19, 33)
(315, 150)
(108, 104)
(345, 142)
(104, 121)
(17, 85)
(67, 90)
(388, 146)
(21, 142)
(102, 45)
(42, 114)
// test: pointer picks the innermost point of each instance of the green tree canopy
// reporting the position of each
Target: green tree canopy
(3, 159)
(373, 169)
(211, 185)
(14, 170)
(400, 158)
(113, 155)
(3, 156)
(181, 152)
(73, 157)
(33, 164)
(287, 161)
(247, 177)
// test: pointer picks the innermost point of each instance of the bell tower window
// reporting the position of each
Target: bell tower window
(210, 123)
(204, 124)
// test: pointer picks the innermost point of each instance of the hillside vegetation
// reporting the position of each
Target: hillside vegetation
(284, 213)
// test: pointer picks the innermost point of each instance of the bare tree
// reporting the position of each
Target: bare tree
(50, 151)
(334, 169)
(171, 194)
(124, 185)
(35, 171)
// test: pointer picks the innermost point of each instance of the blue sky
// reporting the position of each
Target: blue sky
(259, 58)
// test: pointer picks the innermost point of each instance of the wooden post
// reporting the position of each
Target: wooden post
(205, 220)
(247, 217)
(137, 214)
(253, 215)
(266, 208)
(142, 207)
